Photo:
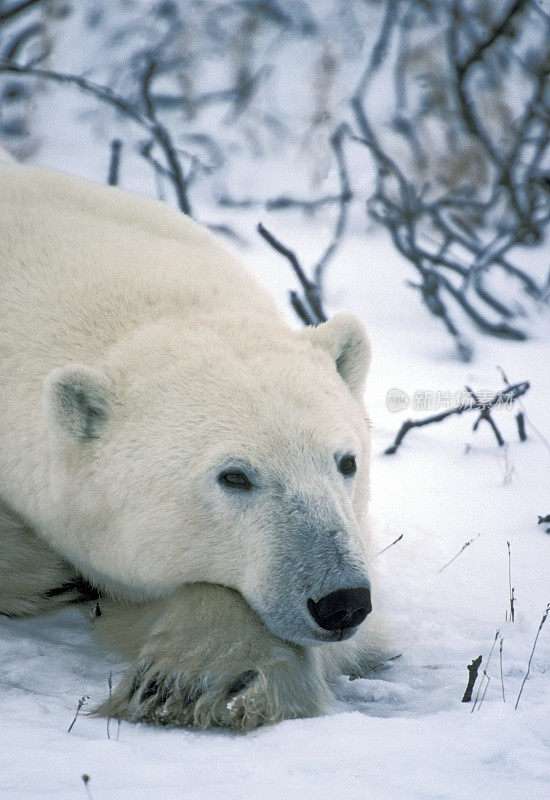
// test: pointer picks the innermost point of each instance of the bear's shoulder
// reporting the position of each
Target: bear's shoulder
(49, 192)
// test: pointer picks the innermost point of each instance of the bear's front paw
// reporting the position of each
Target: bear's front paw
(241, 699)
(207, 660)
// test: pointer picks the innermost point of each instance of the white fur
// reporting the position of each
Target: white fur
(139, 359)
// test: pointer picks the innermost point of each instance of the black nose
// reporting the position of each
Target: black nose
(345, 608)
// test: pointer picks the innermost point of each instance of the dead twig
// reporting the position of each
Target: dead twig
(376, 666)
(543, 620)
(310, 310)
(485, 677)
(81, 702)
(464, 546)
(485, 414)
(86, 782)
(508, 395)
(501, 673)
(520, 421)
(387, 547)
(510, 587)
(523, 418)
(472, 670)
(114, 164)
(281, 203)
(110, 683)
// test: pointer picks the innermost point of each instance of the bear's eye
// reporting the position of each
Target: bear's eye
(347, 465)
(235, 479)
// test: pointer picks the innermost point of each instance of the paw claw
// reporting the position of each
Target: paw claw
(243, 681)
(136, 680)
(151, 688)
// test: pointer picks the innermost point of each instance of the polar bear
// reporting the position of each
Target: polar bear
(172, 447)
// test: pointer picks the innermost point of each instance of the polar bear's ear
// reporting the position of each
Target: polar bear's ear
(78, 400)
(346, 340)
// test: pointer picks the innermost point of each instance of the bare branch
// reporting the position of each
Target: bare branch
(345, 196)
(499, 29)
(311, 289)
(508, 395)
(157, 130)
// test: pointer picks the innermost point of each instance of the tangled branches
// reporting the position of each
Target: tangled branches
(462, 179)
(148, 86)
(459, 228)
(144, 115)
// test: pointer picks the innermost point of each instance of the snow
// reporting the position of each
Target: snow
(402, 733)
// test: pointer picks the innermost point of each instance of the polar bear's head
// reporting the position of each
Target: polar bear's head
(233, 452)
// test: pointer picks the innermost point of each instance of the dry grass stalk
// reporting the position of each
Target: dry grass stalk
(86, 782)
(511, 614)
(78, 709)
(464, 546)
(387, 547)
(485, 680)
(543, 620)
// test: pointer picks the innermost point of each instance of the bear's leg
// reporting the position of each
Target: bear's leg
(203, 658)
(33, 579)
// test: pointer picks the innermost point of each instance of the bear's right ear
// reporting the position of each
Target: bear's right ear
(78, 400)
(344, 338)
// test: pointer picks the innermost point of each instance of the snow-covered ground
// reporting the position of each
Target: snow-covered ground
(403, 733)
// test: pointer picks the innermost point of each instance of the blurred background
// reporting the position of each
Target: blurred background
(428, 120)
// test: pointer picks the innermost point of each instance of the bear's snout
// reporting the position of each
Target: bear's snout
(342, 609)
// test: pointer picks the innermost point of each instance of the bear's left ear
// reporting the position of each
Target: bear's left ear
(78, 400)
(346, 341)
